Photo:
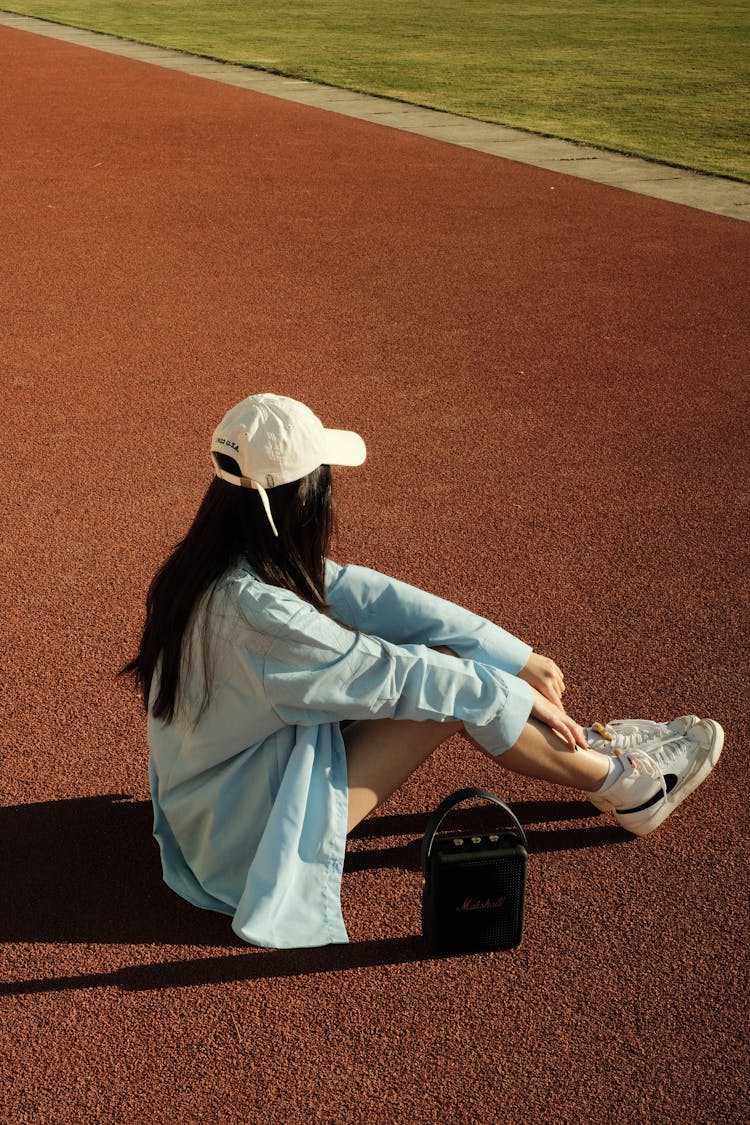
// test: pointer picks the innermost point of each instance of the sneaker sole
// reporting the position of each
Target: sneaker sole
(680, 792)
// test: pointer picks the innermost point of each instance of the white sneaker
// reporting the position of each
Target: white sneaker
(656, 778)
(630, 734)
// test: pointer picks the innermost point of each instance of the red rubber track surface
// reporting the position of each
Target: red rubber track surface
(548, 374)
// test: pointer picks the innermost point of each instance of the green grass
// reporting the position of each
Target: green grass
(666, 79)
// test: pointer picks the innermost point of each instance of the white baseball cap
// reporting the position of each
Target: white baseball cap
(276, 440)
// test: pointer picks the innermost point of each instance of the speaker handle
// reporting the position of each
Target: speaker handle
(438, 816)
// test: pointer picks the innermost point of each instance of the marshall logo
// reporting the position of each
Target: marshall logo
(482, 904)
(225, 441)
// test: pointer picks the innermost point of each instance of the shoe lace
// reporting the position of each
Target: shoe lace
(655, 761)
(628, 734)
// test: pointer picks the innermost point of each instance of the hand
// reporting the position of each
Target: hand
(555, 718)
(545, 677)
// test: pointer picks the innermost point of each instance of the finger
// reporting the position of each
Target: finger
(580, 737)
(566, 736)
(576, 735)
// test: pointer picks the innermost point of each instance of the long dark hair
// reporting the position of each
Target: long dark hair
(231, 527)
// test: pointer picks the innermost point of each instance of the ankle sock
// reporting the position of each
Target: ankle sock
(615, 771)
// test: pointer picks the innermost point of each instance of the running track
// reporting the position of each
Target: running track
(549, 376)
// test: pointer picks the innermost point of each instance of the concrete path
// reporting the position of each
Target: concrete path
(708, 193)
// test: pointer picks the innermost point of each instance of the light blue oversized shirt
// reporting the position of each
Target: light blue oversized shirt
(250, 801)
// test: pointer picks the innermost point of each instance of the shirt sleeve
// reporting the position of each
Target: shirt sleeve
(319, 671)
(403, 614)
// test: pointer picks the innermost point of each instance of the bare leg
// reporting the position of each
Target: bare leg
(540, 753)
(381, 754)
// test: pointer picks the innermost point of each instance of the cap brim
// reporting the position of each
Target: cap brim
(343, 447)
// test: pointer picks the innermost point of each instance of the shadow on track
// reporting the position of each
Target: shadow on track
(86, 871)
(482, 818)
(247, 965)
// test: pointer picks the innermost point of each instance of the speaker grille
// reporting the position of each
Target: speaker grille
(476, 904)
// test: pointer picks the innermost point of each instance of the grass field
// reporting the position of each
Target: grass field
(666, 79)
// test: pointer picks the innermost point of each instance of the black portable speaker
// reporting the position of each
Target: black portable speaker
(474, 887)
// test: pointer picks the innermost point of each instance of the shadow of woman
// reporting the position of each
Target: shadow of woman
(247, 964)
(479, 819)
(87, 870)
(83, 871)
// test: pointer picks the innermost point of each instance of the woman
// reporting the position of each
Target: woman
(288, 696)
